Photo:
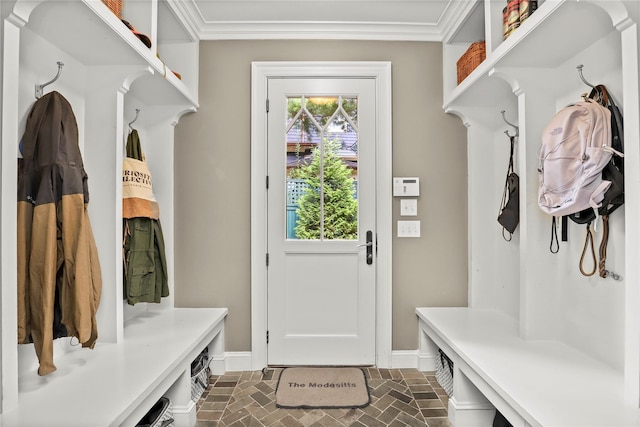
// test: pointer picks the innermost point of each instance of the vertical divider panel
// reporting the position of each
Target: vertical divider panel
(8, 257)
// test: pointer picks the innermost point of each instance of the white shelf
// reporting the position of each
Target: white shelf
(97, 38)
(114, 385)
(108, 73)
(556, 31)
(546, 382)
(531, 75)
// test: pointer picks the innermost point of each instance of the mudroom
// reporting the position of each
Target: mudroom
(176, 259)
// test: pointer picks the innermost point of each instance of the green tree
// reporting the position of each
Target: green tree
(340, 207)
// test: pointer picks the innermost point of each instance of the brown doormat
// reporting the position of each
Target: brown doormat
(323, 388)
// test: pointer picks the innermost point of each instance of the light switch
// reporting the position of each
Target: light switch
(408, 228)
(408, 207)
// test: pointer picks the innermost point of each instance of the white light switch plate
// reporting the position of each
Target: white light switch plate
(408, 207)
(408, 228)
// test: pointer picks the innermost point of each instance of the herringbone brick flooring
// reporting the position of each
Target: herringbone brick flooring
(399, 397)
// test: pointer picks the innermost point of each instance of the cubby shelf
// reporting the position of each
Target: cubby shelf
(108, 73)
(551, 35)
(531, 75)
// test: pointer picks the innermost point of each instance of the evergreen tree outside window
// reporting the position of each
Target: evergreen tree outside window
(322, 143)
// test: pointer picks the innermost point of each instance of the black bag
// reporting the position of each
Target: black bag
(160, 415)
(500, 421)
(509, 214)
(614, 171)
(614, 196)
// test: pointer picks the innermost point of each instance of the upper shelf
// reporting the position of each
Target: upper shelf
(96, 37)
(558, 30)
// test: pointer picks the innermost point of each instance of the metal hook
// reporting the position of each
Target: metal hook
(40, 88)
(579, 67)
(135, 118)
(510, 124)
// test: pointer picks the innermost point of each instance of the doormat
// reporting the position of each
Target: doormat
(322, 388)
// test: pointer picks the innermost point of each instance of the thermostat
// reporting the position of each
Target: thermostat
(406, 186)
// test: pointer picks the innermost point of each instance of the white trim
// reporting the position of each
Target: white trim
(257, 30)
(437, 30)
(401, 359)
(236, 361)
(260, 72)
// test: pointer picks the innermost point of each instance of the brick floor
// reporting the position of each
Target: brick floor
(399, 397)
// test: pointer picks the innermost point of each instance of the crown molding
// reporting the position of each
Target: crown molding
(454, 14)
(318, 30)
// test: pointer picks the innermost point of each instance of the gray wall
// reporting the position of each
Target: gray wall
(213, 152)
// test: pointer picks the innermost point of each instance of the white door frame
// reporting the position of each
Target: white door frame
(260, 73)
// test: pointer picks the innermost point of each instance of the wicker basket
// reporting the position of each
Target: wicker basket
(471, 59)
(115, 6)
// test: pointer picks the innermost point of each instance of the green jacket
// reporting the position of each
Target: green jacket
(145, 264)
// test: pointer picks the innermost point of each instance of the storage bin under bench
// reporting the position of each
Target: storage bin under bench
(531, 382)
(116, 384)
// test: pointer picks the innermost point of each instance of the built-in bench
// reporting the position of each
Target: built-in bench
(531, 382)
(116, 384)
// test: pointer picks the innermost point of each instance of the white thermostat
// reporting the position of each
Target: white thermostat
(406, 186)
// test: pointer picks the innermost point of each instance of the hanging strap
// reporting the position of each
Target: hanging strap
(604, 273)
(554, 246)
(588, 242)
(603, 245)
(505, 192)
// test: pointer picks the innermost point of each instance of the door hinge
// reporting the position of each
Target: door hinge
(267, 104)
(267, 337)
(267, 181)
(267, 259)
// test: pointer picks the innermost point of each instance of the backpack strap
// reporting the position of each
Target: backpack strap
(554, 246)
(603, 246)
(588, 242)
(565, 228)
(604, 273)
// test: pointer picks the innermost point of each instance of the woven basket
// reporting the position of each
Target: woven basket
(115, 6)
(471, 59)
(444, 372)
(200, 374)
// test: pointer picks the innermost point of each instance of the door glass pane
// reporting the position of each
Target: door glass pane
(322, 168)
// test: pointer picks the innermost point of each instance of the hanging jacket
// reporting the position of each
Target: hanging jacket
(59, 277)
(145, 266)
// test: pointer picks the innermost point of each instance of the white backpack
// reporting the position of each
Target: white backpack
(575, 148)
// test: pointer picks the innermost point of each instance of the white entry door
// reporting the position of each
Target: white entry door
(321, 221)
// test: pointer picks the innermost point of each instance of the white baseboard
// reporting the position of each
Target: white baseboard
(236, 361)
(400, 359)
(426, 362)
(470, 414)
(185, 415)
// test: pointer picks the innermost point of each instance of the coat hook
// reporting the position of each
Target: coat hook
(40, 88)
(134, 119)
(579, 67)
(510, 124)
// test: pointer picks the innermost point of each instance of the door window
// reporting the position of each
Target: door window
(322, 167)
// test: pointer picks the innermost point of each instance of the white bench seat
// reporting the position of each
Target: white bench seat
(116, 384)
(531, 382)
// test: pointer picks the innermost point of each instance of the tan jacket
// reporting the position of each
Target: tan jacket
(59, 278)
